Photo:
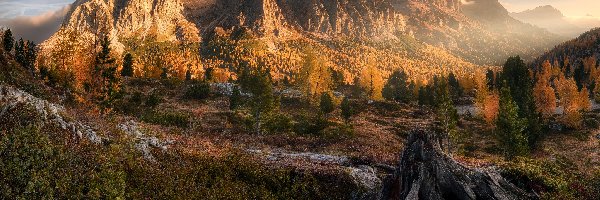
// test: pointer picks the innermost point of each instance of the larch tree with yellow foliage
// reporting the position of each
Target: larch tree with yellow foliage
(572, 101)
(372, 82)
(543, 93)
(315, 76)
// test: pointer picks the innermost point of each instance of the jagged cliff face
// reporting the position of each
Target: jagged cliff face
(119, 19)
(447, 24)
(282, 18)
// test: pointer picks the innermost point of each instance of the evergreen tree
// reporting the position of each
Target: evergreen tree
(30, 57)
(105, 78)
(208, 74)
(188, 75)
(326, 104)
(510, 127)
(8, 41)
(165, 73)
(490, 77)
(259, 84)
(20, 51)
(127, 70)
(446, 113)
(235, 100)
(338, 78)
(398, 88)
(516, 75)
(455, 90)
(346, 108)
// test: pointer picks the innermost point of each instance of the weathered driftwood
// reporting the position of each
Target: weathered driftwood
(425, 172)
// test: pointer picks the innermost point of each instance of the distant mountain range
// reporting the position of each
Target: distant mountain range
(551, 19)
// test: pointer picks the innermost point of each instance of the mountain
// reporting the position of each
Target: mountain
(549, 18)
(584, 46)
(416, 35)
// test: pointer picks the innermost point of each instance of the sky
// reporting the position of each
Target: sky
(570, 8)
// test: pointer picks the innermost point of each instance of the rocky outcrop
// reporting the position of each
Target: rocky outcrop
(13, 100)
(425, 172)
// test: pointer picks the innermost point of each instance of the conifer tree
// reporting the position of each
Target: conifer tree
(235, 99)
(20, 51)
(397, 88)
(8, 41)
(447, 115)
(510, 127)
(517, 77)
(346, 108)
(455, 89)
(30, 56)
(326, 105)
(106, 82)
(127, 70)
(262, 102)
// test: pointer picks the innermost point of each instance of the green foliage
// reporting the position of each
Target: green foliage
(263, 102)
(446, 114)
(127, 70)
(426, 96)
(338, 78)
(20, 49)
(8, 41)
(235, 100)
(311, 125)
(209, 74)
(55, 77)
(347, 110)
(397, 88)
(198, 91)
(456, 90)
(171, 118)
(510, 128)
(550, 178)
(105, 84)
(516, 75)
(278, 123)
(326, 104)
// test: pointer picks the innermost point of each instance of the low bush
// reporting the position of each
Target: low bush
(278, 123)
(177, 119)
(311, 125)
(198, 91)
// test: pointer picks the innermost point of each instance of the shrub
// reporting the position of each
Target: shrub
(167, 119)
(326, 105)
(549, 177)
(278, 123)
(198, 91)
(153, 100)
(311, 125)
(591, 123)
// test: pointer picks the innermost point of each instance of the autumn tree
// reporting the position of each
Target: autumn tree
(572, 101)
(372, 82)
(8, 41)
(263, 102)
(127, 70)
(397, 88)
(543, 93)
(510, 128)
(315, 75)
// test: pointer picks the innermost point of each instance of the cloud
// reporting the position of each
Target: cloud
(36, 28)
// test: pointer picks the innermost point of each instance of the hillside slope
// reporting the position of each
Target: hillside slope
(584, 46)
(422, 36)
(549, 18)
